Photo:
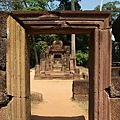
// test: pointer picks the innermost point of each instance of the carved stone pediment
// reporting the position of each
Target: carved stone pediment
(57, 45)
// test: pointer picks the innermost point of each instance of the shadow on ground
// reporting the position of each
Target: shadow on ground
(35, 117)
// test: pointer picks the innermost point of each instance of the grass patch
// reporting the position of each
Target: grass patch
(72, 99)
(34, 104)
(82, 104)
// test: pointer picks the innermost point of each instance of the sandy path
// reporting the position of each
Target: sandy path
(57, 103)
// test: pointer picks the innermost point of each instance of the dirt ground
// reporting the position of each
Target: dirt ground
(57, 103)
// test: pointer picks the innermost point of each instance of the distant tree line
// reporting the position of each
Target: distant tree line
(114, 8)
(38, 43)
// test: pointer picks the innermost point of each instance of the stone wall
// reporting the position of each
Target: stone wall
(115, 86)
(4, 99)
(80, 90)
(115, 94)
(116, 29)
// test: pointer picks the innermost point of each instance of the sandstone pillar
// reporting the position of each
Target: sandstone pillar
(100, 74)
(18, 71)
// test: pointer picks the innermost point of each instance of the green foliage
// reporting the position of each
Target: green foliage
(114, 7)
(82, 42)
(82, 49)
(41, 42)
(40, 47)
(81, 58)
(23, 4)
(81, 46)
(34, 8)
(66, 5)
(65, 38)
(115, 52)
(35, 4)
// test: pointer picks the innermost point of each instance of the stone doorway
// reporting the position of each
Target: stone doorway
(22, 23)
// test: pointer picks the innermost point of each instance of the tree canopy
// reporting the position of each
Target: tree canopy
(43, 40)
(114, 7)
(66, 5)
(23, 4)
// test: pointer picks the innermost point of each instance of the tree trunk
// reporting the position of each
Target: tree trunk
(73, 35)
(72, 4)
(35, 50)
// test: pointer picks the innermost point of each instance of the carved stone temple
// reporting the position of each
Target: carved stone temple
(16, 26)
(57, 62)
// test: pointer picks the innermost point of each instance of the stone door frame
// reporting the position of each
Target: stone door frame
(22, 23)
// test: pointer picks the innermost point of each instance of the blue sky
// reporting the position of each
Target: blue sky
(91, 4)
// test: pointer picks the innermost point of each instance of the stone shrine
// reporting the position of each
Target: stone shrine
(56, 62)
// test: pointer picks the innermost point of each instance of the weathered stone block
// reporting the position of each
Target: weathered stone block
(37, 77)
(2, 80)
(42, 65)
(115, 82)
(3, 23)
(115, 72)
(3, 46)
(4, 114)
(68, 76)
(79, 97)
(115, 108)
(80, 90)
(35, 96)
(81, 87)
(37, 72)
(113, 92)
(4, 98)
(115, 87)
(19, 108)
(3, 95)
(76, 76)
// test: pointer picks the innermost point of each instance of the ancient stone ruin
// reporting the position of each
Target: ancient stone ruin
(57, 62)
(115, 73)
(14, 61)
(116, 29)
(80, 90)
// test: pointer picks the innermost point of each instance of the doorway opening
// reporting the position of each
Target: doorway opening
(96, 24)
(55, 90)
